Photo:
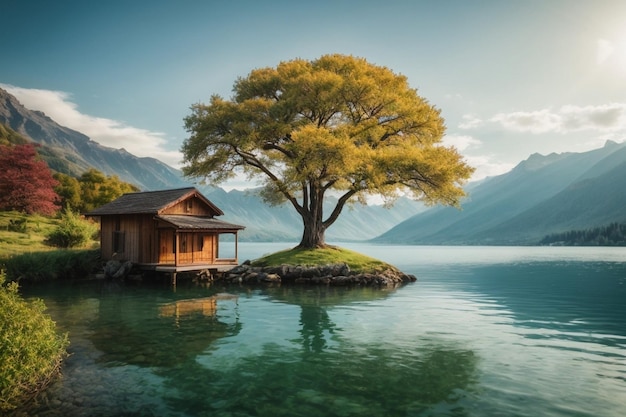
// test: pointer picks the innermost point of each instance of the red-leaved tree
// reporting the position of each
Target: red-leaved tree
(26, 182)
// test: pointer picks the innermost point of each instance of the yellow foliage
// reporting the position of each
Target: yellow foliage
(337, 122)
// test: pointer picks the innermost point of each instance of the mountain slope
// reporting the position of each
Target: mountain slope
(282, 223)
(72, 152)
(589, 203)
(506, 209)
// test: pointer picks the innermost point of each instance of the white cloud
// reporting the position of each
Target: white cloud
(485, 167)
(540, 121)
(484, 164)
(59, 107)
(461, 142)
(603, 118)
(470, 122)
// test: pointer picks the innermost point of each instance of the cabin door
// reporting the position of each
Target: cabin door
(166, 247)
(185, 248)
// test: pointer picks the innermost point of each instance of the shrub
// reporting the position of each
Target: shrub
(17, 225)
(31, 351)
(72, 232)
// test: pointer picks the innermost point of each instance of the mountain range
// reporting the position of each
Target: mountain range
(542, 195)
(71, 152)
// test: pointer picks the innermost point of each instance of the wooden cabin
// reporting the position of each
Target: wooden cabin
(170, 230)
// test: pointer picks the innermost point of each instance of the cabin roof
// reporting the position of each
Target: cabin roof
(198, 222)
(151, 202)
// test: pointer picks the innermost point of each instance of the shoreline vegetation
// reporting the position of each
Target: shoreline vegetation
(31, 349)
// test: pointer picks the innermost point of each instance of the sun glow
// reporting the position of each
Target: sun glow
(612, 52)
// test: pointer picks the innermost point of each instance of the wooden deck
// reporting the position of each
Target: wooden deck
(219, 267)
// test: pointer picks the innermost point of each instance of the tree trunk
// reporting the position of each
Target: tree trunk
(312, 219)
(313, 234)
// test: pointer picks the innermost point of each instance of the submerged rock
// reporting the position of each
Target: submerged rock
(117, 270)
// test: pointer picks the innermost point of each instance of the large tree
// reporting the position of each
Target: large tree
(26, 182)
(337, 124)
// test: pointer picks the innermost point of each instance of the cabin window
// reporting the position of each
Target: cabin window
(200, 246)
(185, 243)
(119, 239)
(189, 205)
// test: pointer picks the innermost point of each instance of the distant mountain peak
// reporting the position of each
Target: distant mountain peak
(537, 161)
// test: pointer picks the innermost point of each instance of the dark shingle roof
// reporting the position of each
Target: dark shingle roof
(198, 222)
(149, 202)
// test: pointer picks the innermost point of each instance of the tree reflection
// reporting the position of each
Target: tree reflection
(315, 323)
(324, 378)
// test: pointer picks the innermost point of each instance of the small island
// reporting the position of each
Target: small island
(331, 265)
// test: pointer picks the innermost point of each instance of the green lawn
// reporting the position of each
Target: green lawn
(31, 239)
(330, 255)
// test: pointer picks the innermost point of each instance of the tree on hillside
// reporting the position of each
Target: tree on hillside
(92, 189)
(337, 124)
(68, 189)
(26, 182)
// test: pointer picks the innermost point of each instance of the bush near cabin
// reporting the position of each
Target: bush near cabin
(72, 231)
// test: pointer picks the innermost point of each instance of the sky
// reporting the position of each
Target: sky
(511, 77)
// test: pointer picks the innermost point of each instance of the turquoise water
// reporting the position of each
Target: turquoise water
(484, 332)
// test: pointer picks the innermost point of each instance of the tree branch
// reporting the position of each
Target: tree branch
(337, 210)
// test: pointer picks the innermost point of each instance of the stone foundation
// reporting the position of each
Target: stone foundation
(333, 274)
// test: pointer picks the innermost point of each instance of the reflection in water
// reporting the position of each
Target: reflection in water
(346, 381)
(314, 377)
(147, 332)
(315, 324)
(207, 306)
(471, 338)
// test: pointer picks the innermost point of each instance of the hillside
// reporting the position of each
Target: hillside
(542, 195)
(71, 152)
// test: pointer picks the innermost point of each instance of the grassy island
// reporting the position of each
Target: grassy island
(329, 255)
(330, 265)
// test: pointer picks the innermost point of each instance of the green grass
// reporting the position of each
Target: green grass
(329, 255)
(26, 256)
(33, 239)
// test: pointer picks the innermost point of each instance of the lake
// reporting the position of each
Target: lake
(485, 331)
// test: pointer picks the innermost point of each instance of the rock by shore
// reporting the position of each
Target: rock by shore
(332, 274)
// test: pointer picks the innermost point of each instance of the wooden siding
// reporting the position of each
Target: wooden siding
(136, 238)
(191, 206)
(192, 248)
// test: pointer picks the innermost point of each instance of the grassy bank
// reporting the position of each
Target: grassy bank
(65, 264)
(26, 255)
(21, 233)
(330, 255)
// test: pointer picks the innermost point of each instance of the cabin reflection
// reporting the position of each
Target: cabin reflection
(206, 306)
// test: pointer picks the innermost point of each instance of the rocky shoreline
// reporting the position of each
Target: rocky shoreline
(332, 274)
